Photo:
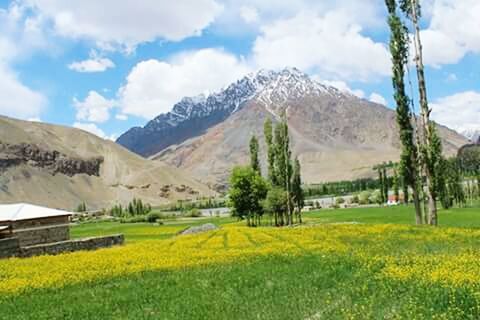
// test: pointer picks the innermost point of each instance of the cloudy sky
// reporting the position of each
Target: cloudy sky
(105, 66)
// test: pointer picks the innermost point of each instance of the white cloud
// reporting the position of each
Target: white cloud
(377, 98)
(92, 65)
(453, 31)
(19, 36)
(16, 99)
(331, 44)
(92, 128)
(154, 86)
(249, 14)
(112, 23)
(121, 117)
(460, 111)
(95, 108)
(342, 86)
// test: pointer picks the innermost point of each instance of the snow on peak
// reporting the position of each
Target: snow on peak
(266, 86)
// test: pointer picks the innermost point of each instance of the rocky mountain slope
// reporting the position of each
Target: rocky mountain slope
(60, 167)
(335, 134)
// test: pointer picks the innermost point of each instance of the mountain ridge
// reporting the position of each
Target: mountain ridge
(335, 134)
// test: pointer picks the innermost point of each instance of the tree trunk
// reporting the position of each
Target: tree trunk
(425, 114)
(418, 207)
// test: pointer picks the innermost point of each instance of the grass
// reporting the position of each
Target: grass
(455, 217)
(382, 268)
(142, 231)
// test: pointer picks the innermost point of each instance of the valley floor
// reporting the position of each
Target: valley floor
(343, 264)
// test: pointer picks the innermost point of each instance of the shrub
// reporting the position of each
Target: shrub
(153, 217)
(355, 199)
(339, 201)
(193, 213)
(364, 197)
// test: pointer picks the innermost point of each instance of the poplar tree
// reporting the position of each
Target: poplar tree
(409, 155)
(268, 133)
(396, 184)
(385, 183)
(431, 144)
(297, 191)
(254, 162)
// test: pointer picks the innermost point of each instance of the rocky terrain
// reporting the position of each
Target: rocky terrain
(335, 134)
(61, 167)
(51, 160)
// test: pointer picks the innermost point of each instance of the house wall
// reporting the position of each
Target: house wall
(9, 247)
(22, 224)
(39, 235)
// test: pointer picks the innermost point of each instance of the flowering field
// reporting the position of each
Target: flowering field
(314, 272)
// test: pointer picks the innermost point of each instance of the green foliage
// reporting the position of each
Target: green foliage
(254, 161)
(247, 191)
(193, 213)
(298, 197)
(364, 197)
(268, 133)
(153, 217)
(399, 40)
(276, 203)
(82, 207)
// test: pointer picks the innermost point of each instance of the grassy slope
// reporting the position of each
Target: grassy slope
(311, 286)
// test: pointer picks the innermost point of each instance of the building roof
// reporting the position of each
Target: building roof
(25, 211)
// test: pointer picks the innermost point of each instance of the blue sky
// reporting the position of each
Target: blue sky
(106, 66)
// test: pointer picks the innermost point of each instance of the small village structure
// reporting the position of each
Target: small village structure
(28, 230)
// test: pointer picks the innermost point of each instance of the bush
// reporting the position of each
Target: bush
(153, 217)
(135, 219)
(193, 213)
(364, 197)
(355, 199)
(339, 201)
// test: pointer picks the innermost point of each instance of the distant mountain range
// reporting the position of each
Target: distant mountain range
(335, 134)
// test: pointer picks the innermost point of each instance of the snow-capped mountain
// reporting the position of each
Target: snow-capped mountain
(335, 134)
(192, 115)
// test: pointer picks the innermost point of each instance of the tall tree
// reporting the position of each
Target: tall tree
(380, 181)
(431, 144)
(254, 161)
(247, 192)
(396, 184)
(385, 183)
(283, 166)
(268, 133)
(297, 191)
(409, 155)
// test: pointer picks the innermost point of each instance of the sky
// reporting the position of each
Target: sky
(105, 66)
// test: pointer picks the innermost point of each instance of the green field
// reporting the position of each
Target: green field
(346, 264)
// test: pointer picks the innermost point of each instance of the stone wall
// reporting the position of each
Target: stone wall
(72, 245)
(9, 247)
(41, 235)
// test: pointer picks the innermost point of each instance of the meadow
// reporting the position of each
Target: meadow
(343, 264)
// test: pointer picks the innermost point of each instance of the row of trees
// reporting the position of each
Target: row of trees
(134, 208)
(457, 180)
(340, 188)
(280, 194)
(420, 162)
